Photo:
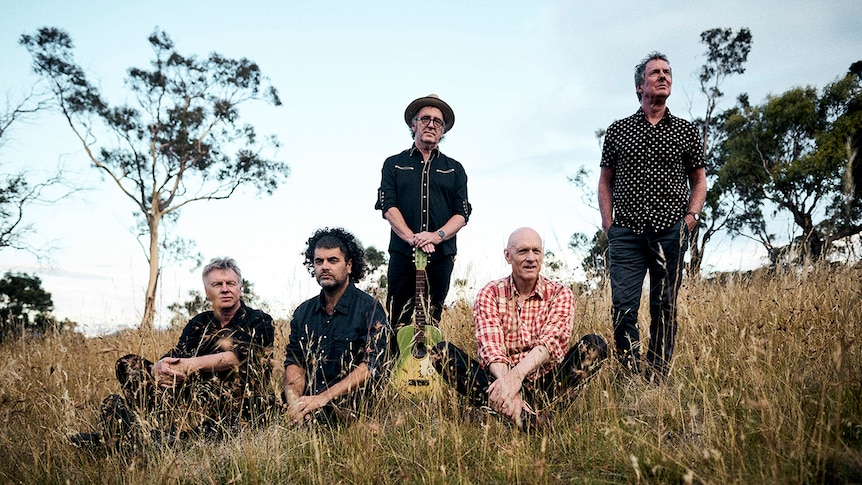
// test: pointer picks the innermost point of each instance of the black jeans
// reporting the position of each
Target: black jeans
(401, 287)
(631, 256)
(468, 378)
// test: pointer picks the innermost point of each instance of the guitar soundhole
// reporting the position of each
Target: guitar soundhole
(419, 351)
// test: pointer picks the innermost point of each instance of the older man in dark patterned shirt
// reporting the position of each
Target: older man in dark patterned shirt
(651, 191)
(215, 378)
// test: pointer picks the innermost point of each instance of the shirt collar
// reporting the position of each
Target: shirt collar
(538, 291)
(435, 152)
(664, 119)
(343, 305)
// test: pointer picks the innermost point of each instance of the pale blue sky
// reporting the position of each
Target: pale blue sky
(530, 83)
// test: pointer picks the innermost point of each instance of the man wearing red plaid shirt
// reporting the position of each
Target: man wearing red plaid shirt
(523, 324)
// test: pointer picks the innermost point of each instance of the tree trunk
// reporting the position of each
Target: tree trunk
(153, 283)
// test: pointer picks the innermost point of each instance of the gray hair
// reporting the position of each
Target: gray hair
(640, 69)
(224, 264)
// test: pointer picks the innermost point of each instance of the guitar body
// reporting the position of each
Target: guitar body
(414, 375)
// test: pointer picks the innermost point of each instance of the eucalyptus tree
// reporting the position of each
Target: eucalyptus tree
(181, 140)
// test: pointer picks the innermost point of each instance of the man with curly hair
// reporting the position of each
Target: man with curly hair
(338, 339)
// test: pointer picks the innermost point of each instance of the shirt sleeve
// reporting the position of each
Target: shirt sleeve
(695, 157)
(189, 342)
(557, 330)
(489, 331)
(387, 196)
(378, 339)
(462, 204)
(255, 333)
(294, 352)
(609, 157)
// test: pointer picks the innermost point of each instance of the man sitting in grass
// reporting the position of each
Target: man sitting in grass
(214, 379)
(523, 323)
(338, 339)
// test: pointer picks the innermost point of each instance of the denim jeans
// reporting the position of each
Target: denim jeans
(632, 255)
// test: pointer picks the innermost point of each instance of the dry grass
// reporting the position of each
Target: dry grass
(766, 388)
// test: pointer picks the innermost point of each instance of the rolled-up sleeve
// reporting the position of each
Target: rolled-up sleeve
(378, 339)
(387, 196)
(557, 329)
(490, 336)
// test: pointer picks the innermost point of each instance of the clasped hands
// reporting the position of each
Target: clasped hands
(504, 396)
(426, 241)
(170, 372)
(303, 407)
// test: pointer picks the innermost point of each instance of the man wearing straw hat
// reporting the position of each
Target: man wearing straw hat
(423, 196)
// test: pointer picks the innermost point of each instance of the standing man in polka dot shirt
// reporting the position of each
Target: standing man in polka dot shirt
(651, 191)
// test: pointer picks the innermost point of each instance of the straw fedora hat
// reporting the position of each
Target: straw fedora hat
(430, 100)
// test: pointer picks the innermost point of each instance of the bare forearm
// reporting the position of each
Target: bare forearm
(350, 383)
(606, 197)
(531, 362)
(210, 363)
(697, 181)
(399, 226)
(294, 381)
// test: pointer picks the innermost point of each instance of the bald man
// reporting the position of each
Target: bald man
(523, 323)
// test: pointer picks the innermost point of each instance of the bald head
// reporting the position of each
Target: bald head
(525, 254)
(522, 234)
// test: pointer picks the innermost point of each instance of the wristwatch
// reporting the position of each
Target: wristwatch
(441, 234)
(693, 214)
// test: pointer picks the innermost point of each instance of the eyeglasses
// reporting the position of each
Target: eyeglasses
(425, 120)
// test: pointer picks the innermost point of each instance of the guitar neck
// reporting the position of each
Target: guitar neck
(421, 301)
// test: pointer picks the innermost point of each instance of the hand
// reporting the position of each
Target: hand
(690, 222)
(303, 407)
(169, 372)
(504, 395)
(426, 241)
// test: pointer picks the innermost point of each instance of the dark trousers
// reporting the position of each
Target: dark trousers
(631, 256)
(469, 378)
(401, 287)
(202, 403)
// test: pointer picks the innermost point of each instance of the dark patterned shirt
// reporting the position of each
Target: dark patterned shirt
(651, 166)
(249, 335)
(329, 347)
(427, 194)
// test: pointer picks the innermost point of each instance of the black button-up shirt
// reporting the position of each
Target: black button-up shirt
(427, 194)
(249, 335)
(651, 166)
(329, 347)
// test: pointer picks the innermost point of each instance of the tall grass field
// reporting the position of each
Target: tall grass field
(765, 388)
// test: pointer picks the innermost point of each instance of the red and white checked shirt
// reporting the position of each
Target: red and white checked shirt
(507, 331)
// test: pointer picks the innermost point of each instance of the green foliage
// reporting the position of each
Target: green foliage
(25, 307)
(183, 141)
(789, 155)
(726, 55)
(595, 262)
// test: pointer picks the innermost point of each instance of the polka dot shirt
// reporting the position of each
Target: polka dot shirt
(651, 166)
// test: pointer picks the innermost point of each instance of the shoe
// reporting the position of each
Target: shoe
(82, 440)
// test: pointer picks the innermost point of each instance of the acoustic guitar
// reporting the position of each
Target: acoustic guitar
(414, 375)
